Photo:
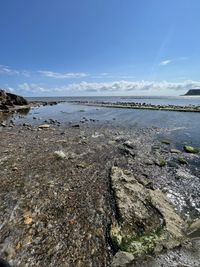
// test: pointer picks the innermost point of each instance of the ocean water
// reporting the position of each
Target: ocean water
(158, 100)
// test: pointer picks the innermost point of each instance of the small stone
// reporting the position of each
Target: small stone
(26, 125)
(76, 126)
(27, 218)
(60, 154)
(155, 147)
(44, 126)
(175, 151)
(81, 165)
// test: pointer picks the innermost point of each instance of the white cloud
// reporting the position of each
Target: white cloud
(168, 61)
(109, 88)
(33, 88)
(165, 62)
(7, 70)
(59, 75)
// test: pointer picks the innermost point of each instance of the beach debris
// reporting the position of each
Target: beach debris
(44, 126)
(191, 149)
(60, 154)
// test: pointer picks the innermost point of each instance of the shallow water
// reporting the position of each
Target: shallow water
(182, 126)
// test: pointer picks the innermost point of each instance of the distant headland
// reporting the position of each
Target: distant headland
(193, 92)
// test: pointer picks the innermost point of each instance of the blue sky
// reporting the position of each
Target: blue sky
(99, 47)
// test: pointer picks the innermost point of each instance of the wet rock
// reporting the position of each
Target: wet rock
(148, 162)
(75, 125)
(182, 174)
(172, 164)
(122, 259)
(191, 149)
(26, 124)
(155, 147)
(127, 151)
(182, 161)
(146, 222)
(129, 144)
(166, 142)
(4, 263)
(194, 229)
(160, 162)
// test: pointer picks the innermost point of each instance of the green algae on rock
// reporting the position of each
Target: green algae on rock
(182, 160)
(191, 149)
(146, 221)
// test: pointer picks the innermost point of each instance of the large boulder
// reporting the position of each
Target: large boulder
(9, 100)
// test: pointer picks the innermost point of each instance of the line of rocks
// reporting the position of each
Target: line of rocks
(135, 105)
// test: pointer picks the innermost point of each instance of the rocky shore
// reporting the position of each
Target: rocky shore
(87, 194)
(133, 105)
(13, 103)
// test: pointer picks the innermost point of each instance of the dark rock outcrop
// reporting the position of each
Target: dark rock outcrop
(8, 100)
(193, 92)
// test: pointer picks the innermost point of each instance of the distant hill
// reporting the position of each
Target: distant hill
(193, 92)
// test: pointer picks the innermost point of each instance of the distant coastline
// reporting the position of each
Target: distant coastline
(193, 92)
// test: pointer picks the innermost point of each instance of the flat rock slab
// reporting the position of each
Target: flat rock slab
(146, 221)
